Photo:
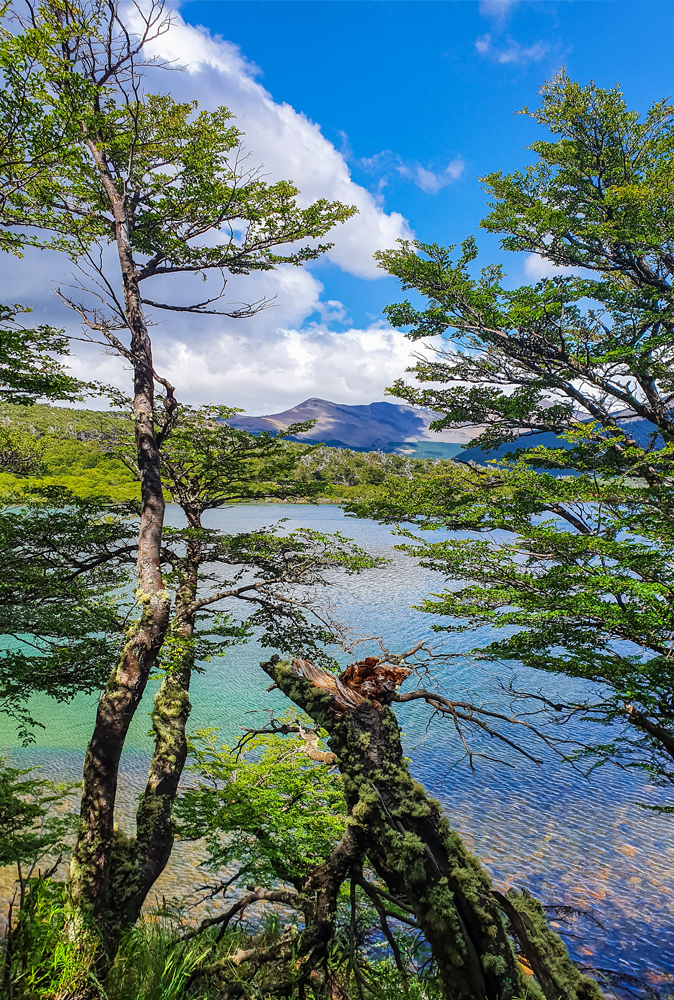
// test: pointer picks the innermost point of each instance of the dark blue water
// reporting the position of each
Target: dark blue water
(571, 840)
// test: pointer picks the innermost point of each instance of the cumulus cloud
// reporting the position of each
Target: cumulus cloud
(349, 367)
(513, 52)
(284, 140)
(263, 364)
(289, 351)
(271, 374)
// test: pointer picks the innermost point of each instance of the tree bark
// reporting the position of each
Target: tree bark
(408, 839)
(91, 861)
(545, 951)
(154, 825)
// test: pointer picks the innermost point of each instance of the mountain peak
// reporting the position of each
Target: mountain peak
(379, 426)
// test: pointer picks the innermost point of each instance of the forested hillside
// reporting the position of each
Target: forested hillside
(75, 448)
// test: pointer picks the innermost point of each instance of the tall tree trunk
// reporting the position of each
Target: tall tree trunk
(90, 868)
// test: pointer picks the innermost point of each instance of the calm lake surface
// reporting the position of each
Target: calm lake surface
(570, 840)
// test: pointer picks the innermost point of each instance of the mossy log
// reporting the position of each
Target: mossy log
(409, 841)
(545, 951)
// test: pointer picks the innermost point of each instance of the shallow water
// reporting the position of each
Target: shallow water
(570, 840)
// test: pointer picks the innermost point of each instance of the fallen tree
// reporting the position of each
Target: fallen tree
(414, 851)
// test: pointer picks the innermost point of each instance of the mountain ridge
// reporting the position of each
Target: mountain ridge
(381, 426)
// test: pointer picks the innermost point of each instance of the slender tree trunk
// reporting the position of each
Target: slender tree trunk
(408, 839)
(154, 825)
(90, 869)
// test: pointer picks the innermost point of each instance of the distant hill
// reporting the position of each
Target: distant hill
(400, 429)
(640, 429)
(389, 427)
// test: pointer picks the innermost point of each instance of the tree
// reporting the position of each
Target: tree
(407, 840)
(28, 369)
(65, 564)
(271, 573)
(599, 196)
(582, 582)
(168, 188)
(31, 147)
(66, 606)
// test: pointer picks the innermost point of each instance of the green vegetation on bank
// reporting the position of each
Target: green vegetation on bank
(75, 449)
(69, 448)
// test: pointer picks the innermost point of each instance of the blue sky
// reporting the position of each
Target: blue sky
(405, 85)
(396, 106)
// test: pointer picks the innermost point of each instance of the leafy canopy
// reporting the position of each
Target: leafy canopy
(171, 176)
(599, 195)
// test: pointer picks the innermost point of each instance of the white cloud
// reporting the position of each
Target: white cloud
(513, 52)
(497, 10)
(264, 364)
(429, 181)
(288, 144)
(350, 367)
(274, 374)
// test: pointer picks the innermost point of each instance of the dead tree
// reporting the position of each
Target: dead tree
(411, 846)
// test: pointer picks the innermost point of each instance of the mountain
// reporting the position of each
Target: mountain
(641, 430)
(389, 427)
(404, 430)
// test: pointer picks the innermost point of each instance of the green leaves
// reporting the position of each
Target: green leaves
(268, 807)
(599, 196)
(582, 580)
(28, 369)
(85, 147)
(60, 596)
(206, 463)
(29, 827)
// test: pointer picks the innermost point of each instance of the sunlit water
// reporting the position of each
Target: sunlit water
(582, 842)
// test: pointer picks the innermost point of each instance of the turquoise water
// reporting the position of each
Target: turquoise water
(581, 842)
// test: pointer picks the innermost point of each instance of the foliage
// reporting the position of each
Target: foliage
(344, 467)
(273, 574)
(206, 463)
(81, 451)
(62, 603)
(266, 807)
(28, 368)
(599, 195)
(29, 829)
(154, 962)
(178, 172)
(581, 581)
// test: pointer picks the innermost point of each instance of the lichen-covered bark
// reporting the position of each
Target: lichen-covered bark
(138, 862)
(408, 839)
(545, 951)
(90, 871)
(90, 868)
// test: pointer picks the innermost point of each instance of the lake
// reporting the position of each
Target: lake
(580, 842)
